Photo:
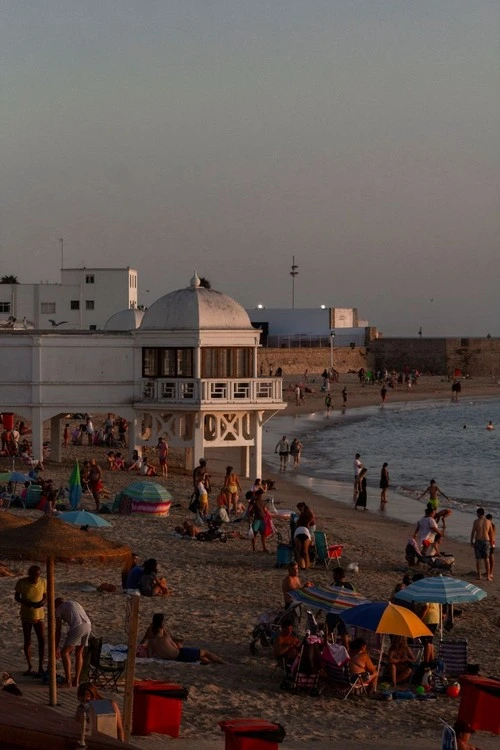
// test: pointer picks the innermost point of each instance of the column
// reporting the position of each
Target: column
(37, 434)
(245, 462)
(134, 427)
(256, 449)
(55, 438)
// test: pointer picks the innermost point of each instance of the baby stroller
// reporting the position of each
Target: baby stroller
(214, 532)
(269, 624)
(305, 671)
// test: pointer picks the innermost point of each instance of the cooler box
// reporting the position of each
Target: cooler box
(252, 734)
(480, 703)
(8, 420)
(157, 707)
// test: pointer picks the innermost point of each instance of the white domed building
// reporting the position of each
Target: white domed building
(185, 369)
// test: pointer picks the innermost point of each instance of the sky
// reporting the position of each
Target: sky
(228, 136)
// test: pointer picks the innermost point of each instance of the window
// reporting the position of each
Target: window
(75, 304)
(232, 362)
(93, 328)
(89, 278)
(4, 307)
(89, 304)
(47, 308)
(167, 363)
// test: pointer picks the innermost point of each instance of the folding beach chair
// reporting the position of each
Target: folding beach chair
(103, 671)
(336, 675)
(454, 655)
(449, 738)
(325, 552)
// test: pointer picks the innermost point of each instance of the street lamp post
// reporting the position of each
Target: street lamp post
(332, 339)
(293, 273)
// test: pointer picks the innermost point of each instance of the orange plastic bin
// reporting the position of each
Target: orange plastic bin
(252, 734)
(157, 707)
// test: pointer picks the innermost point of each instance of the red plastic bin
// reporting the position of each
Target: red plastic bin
(252, 734)
(157, 707)
(8, 420)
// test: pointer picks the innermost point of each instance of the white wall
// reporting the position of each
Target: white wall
(114, 289)
(284, 321)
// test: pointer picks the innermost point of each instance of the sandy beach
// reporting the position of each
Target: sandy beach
(219, 590)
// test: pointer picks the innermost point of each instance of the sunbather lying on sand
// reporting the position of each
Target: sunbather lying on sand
(162, 645)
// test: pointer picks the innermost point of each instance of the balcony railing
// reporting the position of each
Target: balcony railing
(220, 391)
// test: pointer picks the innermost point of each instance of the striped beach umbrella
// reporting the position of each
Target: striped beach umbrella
(441, 590)
(150, 498)
(147, 491)
(334, 599)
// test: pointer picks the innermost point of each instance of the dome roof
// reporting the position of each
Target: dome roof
(195, 308)
(125, 320)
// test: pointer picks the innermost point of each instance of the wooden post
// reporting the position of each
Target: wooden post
(131, 625)
(51, 613)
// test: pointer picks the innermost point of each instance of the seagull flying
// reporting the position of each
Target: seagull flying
(54, 324)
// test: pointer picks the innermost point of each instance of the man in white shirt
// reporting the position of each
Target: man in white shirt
(77, 637)
(283, 448)
(427, 530)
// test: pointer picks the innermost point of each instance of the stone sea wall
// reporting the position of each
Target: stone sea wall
(477, 357)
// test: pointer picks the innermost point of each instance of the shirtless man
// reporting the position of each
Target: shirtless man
(481, 538)
(160, 643)
(433, 491)
(291, 582)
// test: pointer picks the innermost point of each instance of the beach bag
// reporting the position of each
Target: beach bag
(250, 534)
(194, 504)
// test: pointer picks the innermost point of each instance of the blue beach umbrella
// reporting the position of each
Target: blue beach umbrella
(18, 476)
(83, 518)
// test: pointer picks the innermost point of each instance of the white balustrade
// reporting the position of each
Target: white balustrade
(228, 390)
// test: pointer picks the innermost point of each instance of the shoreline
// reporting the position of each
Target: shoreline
(402, 505)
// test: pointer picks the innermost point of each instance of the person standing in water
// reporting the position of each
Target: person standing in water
(384, 484)
(433, 491)
(283, 448)
(328, 404)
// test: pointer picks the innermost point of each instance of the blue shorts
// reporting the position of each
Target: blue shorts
(189, 654)
(258, 525)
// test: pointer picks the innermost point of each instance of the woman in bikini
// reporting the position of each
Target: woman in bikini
(231, 488)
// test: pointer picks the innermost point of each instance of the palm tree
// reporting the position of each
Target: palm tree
(9, 280)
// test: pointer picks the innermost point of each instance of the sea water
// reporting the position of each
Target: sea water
(420, 441)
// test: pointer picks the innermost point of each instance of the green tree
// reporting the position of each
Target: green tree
(9, 280)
